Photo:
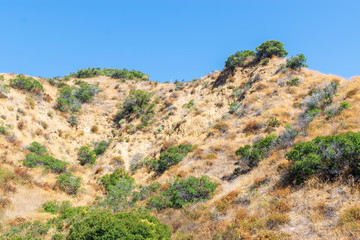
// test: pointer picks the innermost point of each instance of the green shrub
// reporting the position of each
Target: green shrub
(234, 106)
(112, 179)
(86, 156)
(271, 48)
(296, 62)
(41, 157)
(181, 192)
(57, 166)
(55, 206)
(69, 183)
(86, 92)
(170, 157)
(87, 73)
(190, 104)
(254, 154)
(293, 82)
(105, 225)
(37, 148)
(344, 105)
(100, 147)
(71, 98)
(58, 236)
(274, 122)
(26, 231)
(72, 120)
(3, 130)
(135, 105)
(26, 83)
(326, 157)
(113, 73)
(239, 58)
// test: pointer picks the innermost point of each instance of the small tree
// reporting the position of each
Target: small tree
(296, 62)
(271, 48)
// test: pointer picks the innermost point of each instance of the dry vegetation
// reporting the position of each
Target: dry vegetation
(258, 204)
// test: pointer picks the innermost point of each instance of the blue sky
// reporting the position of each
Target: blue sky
(172, 39)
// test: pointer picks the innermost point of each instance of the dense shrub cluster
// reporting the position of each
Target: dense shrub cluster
(39, 156)
(122, 192)
(264, 51)
(26, 83)
(170, 157)
(71, 98)
(327, 156)
(69, 183)
(89, 223)
(113, 73)
(181, 192)
(271, 48)
(239, 58)
(137, 104)
(106, 225)
(296, 62)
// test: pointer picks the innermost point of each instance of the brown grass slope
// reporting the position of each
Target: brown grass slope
(251, 205)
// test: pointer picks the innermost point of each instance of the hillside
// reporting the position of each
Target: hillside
(256, 197)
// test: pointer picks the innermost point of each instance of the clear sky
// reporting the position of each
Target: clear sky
(173, 39)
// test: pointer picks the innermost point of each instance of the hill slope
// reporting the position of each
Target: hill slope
(217, 115)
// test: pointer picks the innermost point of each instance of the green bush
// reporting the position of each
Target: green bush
(135, 105)
(254, 154)
(26, 83)
(71, 98)
(3, 130)
(37, 148)
(327, 156)
(239, 58)
(112, 179)
(69, 183)
(271, 48)
(344, 105)
(274, 122)
(105, 225)
(26, 231)
(170, 157)
(55, 206)
(41, 157)
(113, 73)
(57, 166)
(181, 192)
(100, 147)
(293, 82)
(190, 104)
(86, 156)
(296, 62)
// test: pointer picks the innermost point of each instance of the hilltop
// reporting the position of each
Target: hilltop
(226, 156)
